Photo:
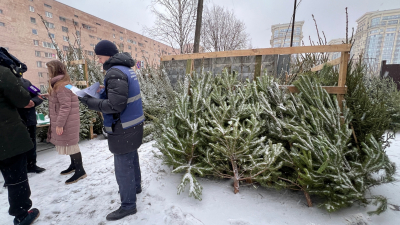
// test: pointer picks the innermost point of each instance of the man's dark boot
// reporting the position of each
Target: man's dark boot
(70, 169)
(120, 213)
(35, 169)
(29, 218)
(79, 171)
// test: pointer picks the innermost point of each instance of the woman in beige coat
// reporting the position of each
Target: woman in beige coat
(64, 119)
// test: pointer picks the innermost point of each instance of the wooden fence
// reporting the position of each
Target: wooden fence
(344, 49)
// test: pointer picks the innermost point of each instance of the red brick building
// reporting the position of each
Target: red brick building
(25, 36)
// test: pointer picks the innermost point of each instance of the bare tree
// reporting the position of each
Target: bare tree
(175, 22)
(222, 31)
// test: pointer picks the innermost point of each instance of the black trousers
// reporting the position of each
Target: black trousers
(31, 154)
(16, 180)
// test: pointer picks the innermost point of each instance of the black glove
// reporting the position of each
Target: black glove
(84, 99)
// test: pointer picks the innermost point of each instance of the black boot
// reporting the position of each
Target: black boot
(70, 169)
(29, 218)
(120, 213)
(35, 169)
(79, 171)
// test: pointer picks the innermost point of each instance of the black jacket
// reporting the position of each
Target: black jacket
(14, 137)
(121, 141)
(29, 115)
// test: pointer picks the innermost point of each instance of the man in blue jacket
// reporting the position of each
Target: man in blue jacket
(121, 105)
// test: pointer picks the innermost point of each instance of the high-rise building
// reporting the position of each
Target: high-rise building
(25, 36)
(337, 41)
(377, 37)
(281, 34)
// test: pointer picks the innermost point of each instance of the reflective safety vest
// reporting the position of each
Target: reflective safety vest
(133, 113)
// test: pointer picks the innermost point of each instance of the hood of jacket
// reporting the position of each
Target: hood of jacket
(120, 59)
(55, 79)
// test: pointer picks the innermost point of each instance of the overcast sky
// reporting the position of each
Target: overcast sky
(258, 15)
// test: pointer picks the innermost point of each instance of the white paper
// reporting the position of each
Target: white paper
(91, 91)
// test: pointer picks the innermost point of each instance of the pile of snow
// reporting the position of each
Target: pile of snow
(91, 199)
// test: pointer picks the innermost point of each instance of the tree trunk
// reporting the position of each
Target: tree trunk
(235, 176)
(308, 198)
(198, 27)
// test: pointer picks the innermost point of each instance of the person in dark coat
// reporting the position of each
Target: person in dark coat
(122, 110)
(14, 143)
(28, 116)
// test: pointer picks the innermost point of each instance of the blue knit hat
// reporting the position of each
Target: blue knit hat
(106, 48)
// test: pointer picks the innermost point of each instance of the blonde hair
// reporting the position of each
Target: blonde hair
(56, 68)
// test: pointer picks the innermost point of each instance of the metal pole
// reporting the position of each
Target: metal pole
(294, 19)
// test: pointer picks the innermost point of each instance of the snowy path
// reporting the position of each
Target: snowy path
(90, 200)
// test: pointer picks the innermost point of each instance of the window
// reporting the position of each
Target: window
(98, 24)
(129, 47)
(76, 16)
(99, 39)
(51, 35)
(63, 19)
(390, 29)
(38, 54)
(65, 38)
(86, 26)
(40, 74)
(375, 22)
(393, 22)
(78, 33)
(114, 42)
(64, 29)
(91, 36)
(39, 64)
(48, 6)
(35, 42)
(31, 9)
(41, 87)
(92, 45)
(121, 32)
(141, 45)
(121, 38)
(113, 35)
(33, 20)
(90, 53)
(48, 55)
(76, 23)
(1, 11)
(34, 31)
(48, 45)
(374, 31)
(65, 48)
(49, 25)
(49, 14)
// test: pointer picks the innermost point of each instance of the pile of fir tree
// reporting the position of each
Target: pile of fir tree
(254, 130)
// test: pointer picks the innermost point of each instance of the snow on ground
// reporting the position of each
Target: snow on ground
(91, 199)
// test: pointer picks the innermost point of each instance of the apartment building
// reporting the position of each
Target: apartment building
(377, 37)
(337, 41)
(23, 33)
(281, 34)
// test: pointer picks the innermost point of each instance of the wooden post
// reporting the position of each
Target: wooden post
(344, 59)
(257, 69)
(85, 70)
(189, 66)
